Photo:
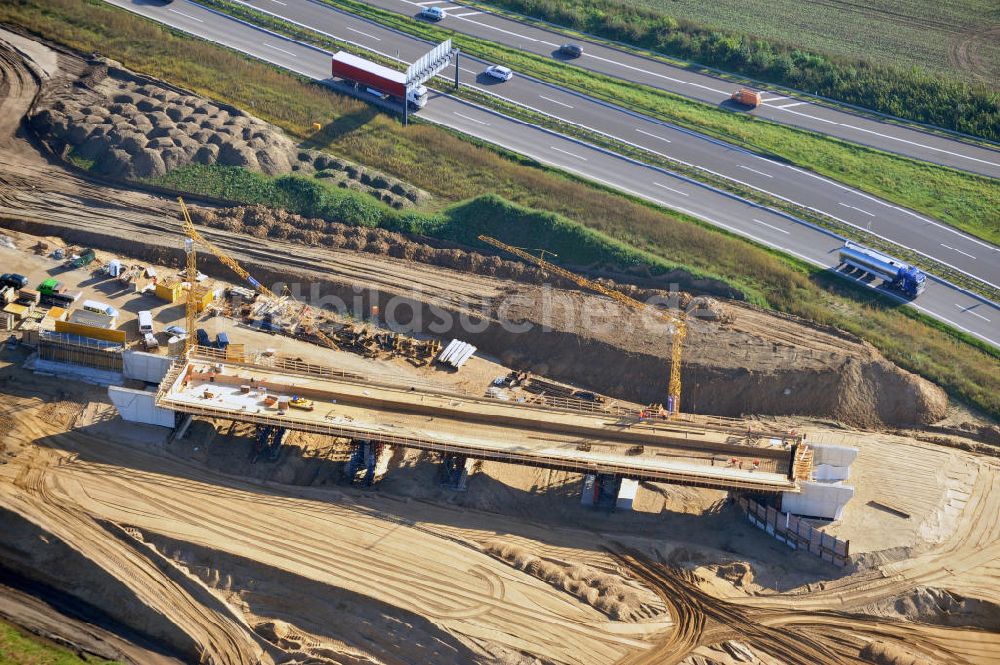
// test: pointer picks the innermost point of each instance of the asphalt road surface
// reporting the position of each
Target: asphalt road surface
(819, 247)
(941, 242)
(799, 112)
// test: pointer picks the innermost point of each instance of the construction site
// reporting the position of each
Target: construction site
(204, 461)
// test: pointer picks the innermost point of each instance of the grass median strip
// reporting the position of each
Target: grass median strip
(454, 169)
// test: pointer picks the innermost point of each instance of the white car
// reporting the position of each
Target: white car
(176, 331)
(499, 72)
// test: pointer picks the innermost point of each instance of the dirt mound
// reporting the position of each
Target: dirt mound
(885, 653)
(944, 608)
(130, 127)
(607, 593)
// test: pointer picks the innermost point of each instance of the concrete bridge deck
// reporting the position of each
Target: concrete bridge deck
(424, 417)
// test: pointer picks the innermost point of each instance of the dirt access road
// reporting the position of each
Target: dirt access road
(414, 594)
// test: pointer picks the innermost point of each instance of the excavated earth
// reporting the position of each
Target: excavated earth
(737, 359)
(136, 128)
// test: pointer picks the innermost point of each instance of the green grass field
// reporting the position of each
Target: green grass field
(944, 37)
(19, 647)
(455, 169)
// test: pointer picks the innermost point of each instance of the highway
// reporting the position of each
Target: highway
(943, 243)
(798, 112)
(819, 247)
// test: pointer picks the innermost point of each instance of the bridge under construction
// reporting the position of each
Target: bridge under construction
(575, 436)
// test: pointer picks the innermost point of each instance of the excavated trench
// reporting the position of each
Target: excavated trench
(750, 362)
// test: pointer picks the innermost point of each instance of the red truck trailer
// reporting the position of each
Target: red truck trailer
(377, 79)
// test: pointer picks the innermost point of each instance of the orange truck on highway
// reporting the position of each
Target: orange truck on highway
(746, 97)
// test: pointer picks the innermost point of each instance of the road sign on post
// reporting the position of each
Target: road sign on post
(430, 64)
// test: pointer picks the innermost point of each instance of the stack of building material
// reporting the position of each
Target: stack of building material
(456, 354)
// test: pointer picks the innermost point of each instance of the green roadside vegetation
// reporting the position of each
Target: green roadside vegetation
(455, 170)
(964, 200)
(859, 53)
(19, 647)
(461, 222)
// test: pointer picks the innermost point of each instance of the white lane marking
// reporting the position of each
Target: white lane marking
(555, 101)
(957, 250)
(429, 2)
(186, 15)
(968, 310)
(788, 106)
(462, 115)
(469, 71)
(773, 99)
(653, 135)
(772, 226)
(279, 49)
(887, 136)
(493, 27)
(464, 15)
(806, 115)
(920, 145)
(378, 39)
(675, 191)
(279, 2)
(656, 74)
(870, 214)
(567, 153)
(766, 175)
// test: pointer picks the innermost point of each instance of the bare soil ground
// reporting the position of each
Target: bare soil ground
(207, 558)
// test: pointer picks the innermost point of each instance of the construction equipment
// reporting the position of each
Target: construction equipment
(301, 403)
(678, 321)
(192, 273)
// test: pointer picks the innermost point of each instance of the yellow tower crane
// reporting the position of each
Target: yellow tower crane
(678, 321)
(195, 237)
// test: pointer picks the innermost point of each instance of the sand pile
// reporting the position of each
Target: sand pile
(604, 592)
(131, 127)
(883, 653)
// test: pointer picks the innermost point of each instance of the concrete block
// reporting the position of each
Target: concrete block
(824, 500)
(626, 494)
(139, 406)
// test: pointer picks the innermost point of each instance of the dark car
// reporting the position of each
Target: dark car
(432, 13)
(571, 50)
(203, 339)
(13, 279)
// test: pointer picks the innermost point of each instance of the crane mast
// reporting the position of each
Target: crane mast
(192, 273)
(678, 321)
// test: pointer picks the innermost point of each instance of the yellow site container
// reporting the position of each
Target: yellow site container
(203, 297)
(90, 331)
(171, 292)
